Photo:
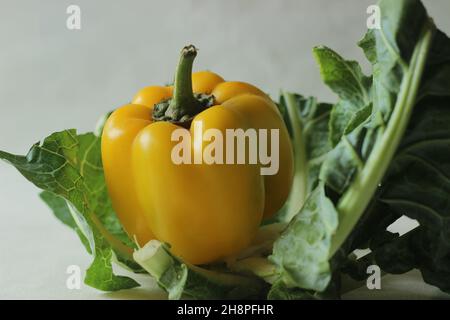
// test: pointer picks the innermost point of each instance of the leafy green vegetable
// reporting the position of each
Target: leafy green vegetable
(61, 210)
(307, 121)
(182, 279)
(308, 234)
(68, 167)
(390, 152)
(346, 79)
(417, 184)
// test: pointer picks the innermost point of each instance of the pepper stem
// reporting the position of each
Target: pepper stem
(184, 104)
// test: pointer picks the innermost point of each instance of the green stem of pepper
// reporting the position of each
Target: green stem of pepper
(183, 103)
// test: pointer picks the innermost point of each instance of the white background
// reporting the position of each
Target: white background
(52, 78)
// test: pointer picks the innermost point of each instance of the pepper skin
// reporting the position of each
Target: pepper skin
(206, 212)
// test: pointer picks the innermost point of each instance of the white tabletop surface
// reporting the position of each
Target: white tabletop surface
(52, 78)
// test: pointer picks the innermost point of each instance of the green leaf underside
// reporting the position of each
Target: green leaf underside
(309, 234)
(62, 212)
(307, 121)
(181, 279)
(68, 168)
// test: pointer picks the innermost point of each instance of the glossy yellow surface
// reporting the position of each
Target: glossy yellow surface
(204, 211)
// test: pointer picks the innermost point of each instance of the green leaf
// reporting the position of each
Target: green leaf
(417, 182)
(62, 212)
(391, 159)
(393, 253)
(307, 121)
(368, 44)
(279, 291)
(346, 79)
(368, 150)
(182, 280)
(302, 252)
(100, 274)
(68, 168)
(418, 186)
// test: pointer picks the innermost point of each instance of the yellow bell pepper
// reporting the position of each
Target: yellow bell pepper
(204, 211)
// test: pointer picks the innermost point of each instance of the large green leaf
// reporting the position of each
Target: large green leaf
(346, 79)
(181, 279)
(302, 251)
(68, 168)
(364, 155)
(391, 161)
(417, 183)
(307, 121)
